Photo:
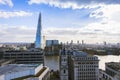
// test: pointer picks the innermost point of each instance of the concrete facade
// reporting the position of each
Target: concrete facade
(79, 65)
(25, 57)
(83, 66)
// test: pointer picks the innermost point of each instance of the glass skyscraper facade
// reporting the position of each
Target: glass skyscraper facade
(38, 33)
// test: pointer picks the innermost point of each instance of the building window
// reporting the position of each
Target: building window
(64, 60)
(64, 71)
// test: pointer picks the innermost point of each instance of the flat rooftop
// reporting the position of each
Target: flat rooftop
(10, 68)
(77, 53)
(114, 65)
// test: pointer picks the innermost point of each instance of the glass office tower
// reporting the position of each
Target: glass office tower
(38, 33)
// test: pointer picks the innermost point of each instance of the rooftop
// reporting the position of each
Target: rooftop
(79, 53)
(114, 65)
(83, 56)
(10, 68)
(33, 77)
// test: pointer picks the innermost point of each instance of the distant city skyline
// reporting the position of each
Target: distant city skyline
(90, 20)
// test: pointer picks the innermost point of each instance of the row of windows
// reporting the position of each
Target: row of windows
(87, 58)
(87, 73)
(87, 79)
(87, 69)
(31, 60)
(88, 66)
(24, 53)
(87, 63)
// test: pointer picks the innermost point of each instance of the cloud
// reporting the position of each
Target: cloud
(6, 2)
(74, 4)
(17, 33)
(109, 12)
(94, 32)
(107, 29)
(109, 24)
(62, 4)
(7, 14)
(90, 29)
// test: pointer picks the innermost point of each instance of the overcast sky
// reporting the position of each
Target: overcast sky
(89, 20)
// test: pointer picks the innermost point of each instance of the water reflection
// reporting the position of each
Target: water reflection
(52, 62)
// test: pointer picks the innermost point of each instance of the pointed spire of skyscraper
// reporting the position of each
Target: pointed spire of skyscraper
(38, 33)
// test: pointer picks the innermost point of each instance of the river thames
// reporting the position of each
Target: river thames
(53, 61)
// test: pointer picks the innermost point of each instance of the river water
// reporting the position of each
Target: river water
(53, 61)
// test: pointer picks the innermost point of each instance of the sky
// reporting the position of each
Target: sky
(89, 20)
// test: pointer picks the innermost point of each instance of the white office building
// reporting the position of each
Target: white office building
(78, 65)
(83, 66)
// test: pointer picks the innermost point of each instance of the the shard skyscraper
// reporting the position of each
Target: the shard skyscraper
(38, 33)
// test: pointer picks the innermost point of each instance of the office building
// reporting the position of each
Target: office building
(24, 72)
(51, 42)
(25, 57)
(38, 33)
(53, 50)
(81, 66)
(112, 71)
